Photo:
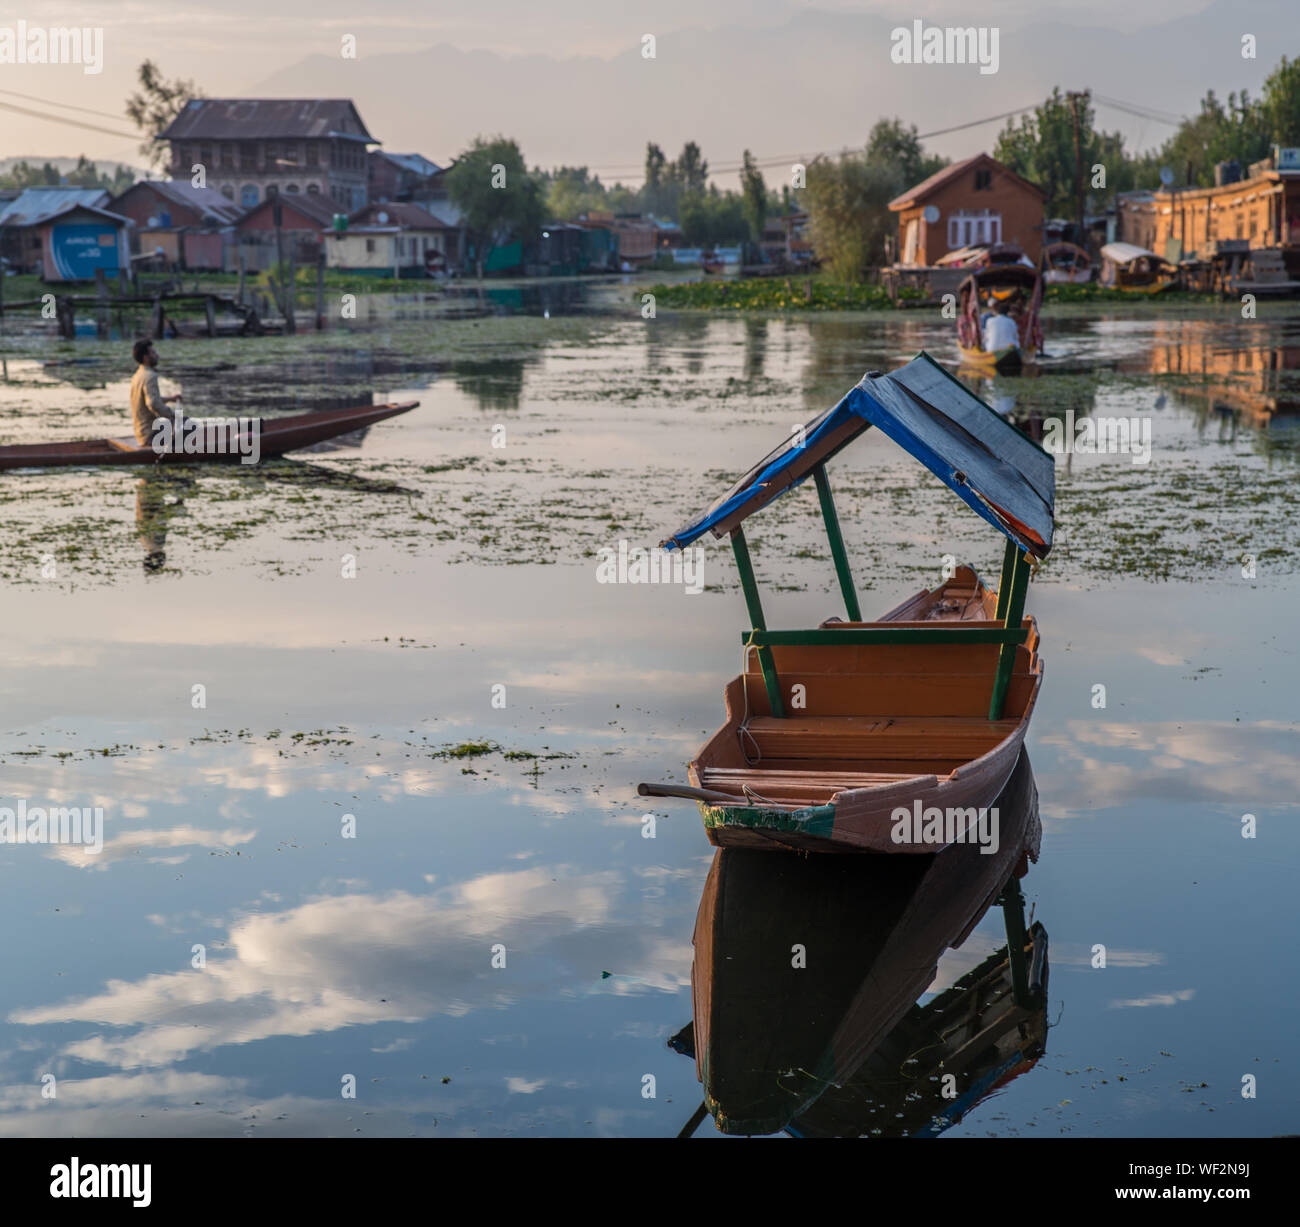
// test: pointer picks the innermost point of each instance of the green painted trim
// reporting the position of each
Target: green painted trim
(885, 635)
(755, 606)
(836, 539)
(1007, 654)
(812, 820)
(1004, 582)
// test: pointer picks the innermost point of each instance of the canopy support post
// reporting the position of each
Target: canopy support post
(1004, 583)
(836, 539)
(747, 582)
(1015, 610)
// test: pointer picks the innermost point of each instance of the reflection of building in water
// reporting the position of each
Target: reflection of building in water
(807, 971)
(1257, 382)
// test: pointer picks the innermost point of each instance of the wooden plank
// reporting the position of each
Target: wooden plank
(925, 633)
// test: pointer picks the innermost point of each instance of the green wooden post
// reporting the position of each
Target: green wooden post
(1007, 652)
(1004, 584)
(1013, 914)
(747, 582)
(837, 544)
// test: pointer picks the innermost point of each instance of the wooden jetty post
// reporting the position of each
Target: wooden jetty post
(320, 290)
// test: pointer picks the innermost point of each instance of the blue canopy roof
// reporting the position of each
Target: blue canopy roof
(1001, 473)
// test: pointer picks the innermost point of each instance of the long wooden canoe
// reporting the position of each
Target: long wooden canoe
(885, 726)
(804, 965)
(278, 435)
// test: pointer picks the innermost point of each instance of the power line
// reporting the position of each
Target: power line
(51, 102)
(74, 123)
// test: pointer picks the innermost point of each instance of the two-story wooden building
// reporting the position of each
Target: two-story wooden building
(251, 147)
(973, 203)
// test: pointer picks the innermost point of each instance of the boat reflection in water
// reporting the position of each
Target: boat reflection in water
(807, 972)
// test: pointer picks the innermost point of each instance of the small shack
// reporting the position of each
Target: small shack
(63, 234)
(191, 226)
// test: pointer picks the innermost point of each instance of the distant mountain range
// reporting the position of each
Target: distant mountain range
(818, 82)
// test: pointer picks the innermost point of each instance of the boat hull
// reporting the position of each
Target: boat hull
(278, 436)
(847, 780)
(773, 1034)
(1012, 358)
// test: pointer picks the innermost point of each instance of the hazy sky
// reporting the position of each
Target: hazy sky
(232, 47)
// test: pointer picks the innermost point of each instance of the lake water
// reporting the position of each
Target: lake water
(364, 726)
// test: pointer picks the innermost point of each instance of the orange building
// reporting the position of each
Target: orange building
(1261, 212)
(968, 204)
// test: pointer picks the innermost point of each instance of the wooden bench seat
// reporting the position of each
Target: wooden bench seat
(787, 787)
(864, 738)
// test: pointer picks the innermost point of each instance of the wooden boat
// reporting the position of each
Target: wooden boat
(278, 435)
(1016, 283)
(977, 1032)
(1135, 270)
(1066, 263)
(830, 732)
(1010, 358)
(804, 967)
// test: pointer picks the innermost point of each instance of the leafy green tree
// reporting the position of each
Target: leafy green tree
(1217, 133)
(713, 218)
(1280, 107)
(892, 143)
(572, 191)
(848, 212)
(498, 198)
(754, 193)
(156, 103)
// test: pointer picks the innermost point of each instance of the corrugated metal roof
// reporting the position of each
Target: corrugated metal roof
(38, 204)
(320, 209)
(399, 213)
(249, 119)
(416, 163)
(444, 211)
(206, 200)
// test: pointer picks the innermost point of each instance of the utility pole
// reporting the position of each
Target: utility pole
(1074, 97)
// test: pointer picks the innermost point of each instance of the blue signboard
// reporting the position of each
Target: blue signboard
(79, 248)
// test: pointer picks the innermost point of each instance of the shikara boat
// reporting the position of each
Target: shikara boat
(1020, 286)
(804, 968)
(1135, 270)
(277, 436)
(830, 732)
(1066, 263)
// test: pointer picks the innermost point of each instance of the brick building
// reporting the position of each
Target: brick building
(971, 203)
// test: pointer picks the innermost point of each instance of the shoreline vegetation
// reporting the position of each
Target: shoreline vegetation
(816, 293)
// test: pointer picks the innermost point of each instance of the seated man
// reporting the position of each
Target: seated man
(147, 403)
(1000, 332)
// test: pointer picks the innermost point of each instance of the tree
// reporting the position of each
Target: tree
(155, 105)
(893, 144)
(498, 199)
(712, 218)
(1280, 107)
(753, 191)
(692, 171)
(1218, 133)
(571, 191)
(848, 212)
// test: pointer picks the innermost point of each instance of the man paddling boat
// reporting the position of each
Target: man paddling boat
(147, 402)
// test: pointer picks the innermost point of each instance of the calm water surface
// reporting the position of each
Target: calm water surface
(484, 818)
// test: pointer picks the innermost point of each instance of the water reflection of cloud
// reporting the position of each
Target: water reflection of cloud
(1165, 999)
(1239, 764)
(136, 844)
(355, 959)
